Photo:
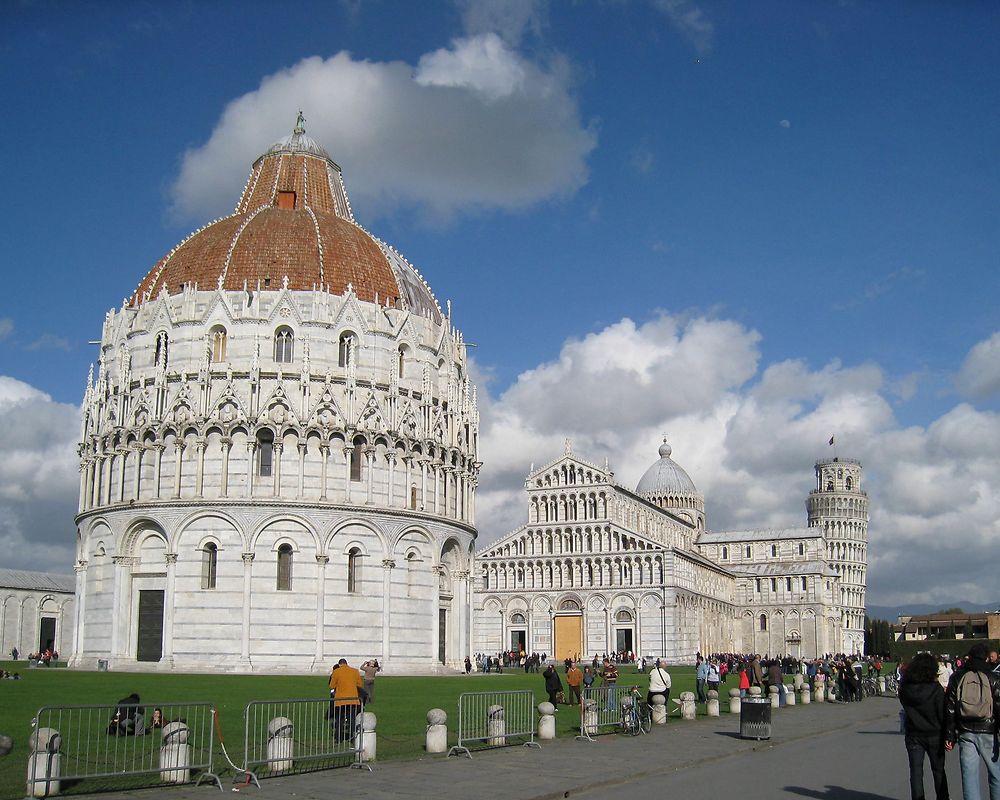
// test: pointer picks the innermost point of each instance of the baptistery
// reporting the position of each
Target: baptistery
(278, 451)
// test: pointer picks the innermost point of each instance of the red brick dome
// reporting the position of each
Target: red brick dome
(293, 219)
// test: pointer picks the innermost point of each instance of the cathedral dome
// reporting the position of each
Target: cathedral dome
(293, 221)
(665, 477)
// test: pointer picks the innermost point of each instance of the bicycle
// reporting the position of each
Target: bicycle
(869, 686)
(891, 684)
(636, 714)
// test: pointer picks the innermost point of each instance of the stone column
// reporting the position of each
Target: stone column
(437, 570)
(226, 446)
(120, 616)
(245, 639)
(251, 449)
(276, 478)
(81, 610)
(324, 455)
(178, 457)
(84, 493)
(321, 562)
(347, 473)
(105, 493)
(95, 499)
(408, 463)
(460, 588)
(199, 480)
(168, 610)
(423, 483)
(387, 566)
(140, 451)
(121, 477)
(370, 460)
(437, 489)
(158, 469)
(302, 470)
(391, 458)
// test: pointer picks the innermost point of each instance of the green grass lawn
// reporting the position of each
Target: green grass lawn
(401, 703)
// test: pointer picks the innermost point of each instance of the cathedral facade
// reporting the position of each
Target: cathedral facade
(278, 458)
(599, 568)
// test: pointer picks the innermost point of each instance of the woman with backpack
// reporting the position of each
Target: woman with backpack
(922, 699)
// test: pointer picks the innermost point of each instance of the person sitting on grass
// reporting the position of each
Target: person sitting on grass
(128, 718)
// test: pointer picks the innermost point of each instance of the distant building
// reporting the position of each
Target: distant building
(37, 611)
(599, 568)
(918, 628)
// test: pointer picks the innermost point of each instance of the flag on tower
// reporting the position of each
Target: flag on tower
(831, 440)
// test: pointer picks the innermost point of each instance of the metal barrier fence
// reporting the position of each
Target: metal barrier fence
(126, 744)
(601, 707)
(286, 736)
(495, 718)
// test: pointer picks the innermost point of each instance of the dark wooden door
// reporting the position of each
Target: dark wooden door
(150, 641)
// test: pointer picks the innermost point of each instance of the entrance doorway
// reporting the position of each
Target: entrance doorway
(519, 641)
(569, 637)
(149, 645)
(442, 634)
(623, 640)
(46, 634)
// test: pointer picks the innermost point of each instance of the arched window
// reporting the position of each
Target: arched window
(749, 552)
(802, 549)
(346, 350)
(725, 553)
(353, 570)
(829, 486)
(517, 619)
(356, 458)
(285, 568)
(265, 453)
(623, 616)
(763, 622)
(162, 344)
(209, 565)
(413, 497)
(283, 341)
(849, 482)
(219, 342)
(401, 358)
(774, 550)
(411, 572)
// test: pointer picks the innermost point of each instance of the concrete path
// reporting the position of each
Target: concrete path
(836, 751)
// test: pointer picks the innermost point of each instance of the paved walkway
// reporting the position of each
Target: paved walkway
(848, 751)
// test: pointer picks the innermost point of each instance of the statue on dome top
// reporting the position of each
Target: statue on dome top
(300, 123)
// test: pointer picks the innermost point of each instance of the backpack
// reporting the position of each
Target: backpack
(975, 696)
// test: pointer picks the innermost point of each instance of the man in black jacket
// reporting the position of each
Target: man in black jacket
(973, 707)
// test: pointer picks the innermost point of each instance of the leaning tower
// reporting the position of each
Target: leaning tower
(840, 507)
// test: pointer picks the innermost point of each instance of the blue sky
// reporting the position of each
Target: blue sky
(818, 182)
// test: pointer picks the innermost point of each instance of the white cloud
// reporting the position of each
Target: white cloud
(473, 126)
(689, 20)
(38, 478)
(6, 328)
(511, 19)
(749, 438)
(979, 376)
(49, 341)
(785, 123)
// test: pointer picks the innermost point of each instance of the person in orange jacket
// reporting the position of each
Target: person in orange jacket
(345, 686)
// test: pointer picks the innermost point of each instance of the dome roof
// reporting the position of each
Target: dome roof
(665, 476)
(293, 220)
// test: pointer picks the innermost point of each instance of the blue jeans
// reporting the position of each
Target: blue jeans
(973, 748)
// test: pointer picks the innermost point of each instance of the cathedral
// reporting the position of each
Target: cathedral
(279, 463)
(278, 451)
(599, 569)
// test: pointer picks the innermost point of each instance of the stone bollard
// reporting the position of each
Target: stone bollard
(688, 708)
(881, 685)
(712, 706)
(797, 681)
(43, 762)
(805, 696)
(831, 693)
(279, 744)
(546, 721)
(820, 694)
(735, 701)
(756, 691)
(496, 728)
(590, 717)
(772, 692)
(659, 710)
(437, 731)
(789, 696)
(368, 746)
(175, 753)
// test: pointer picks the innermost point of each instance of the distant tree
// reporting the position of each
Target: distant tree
(951, 611)
(967, 632)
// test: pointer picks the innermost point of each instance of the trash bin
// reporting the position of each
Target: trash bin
(755, 718)
(102, 665)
